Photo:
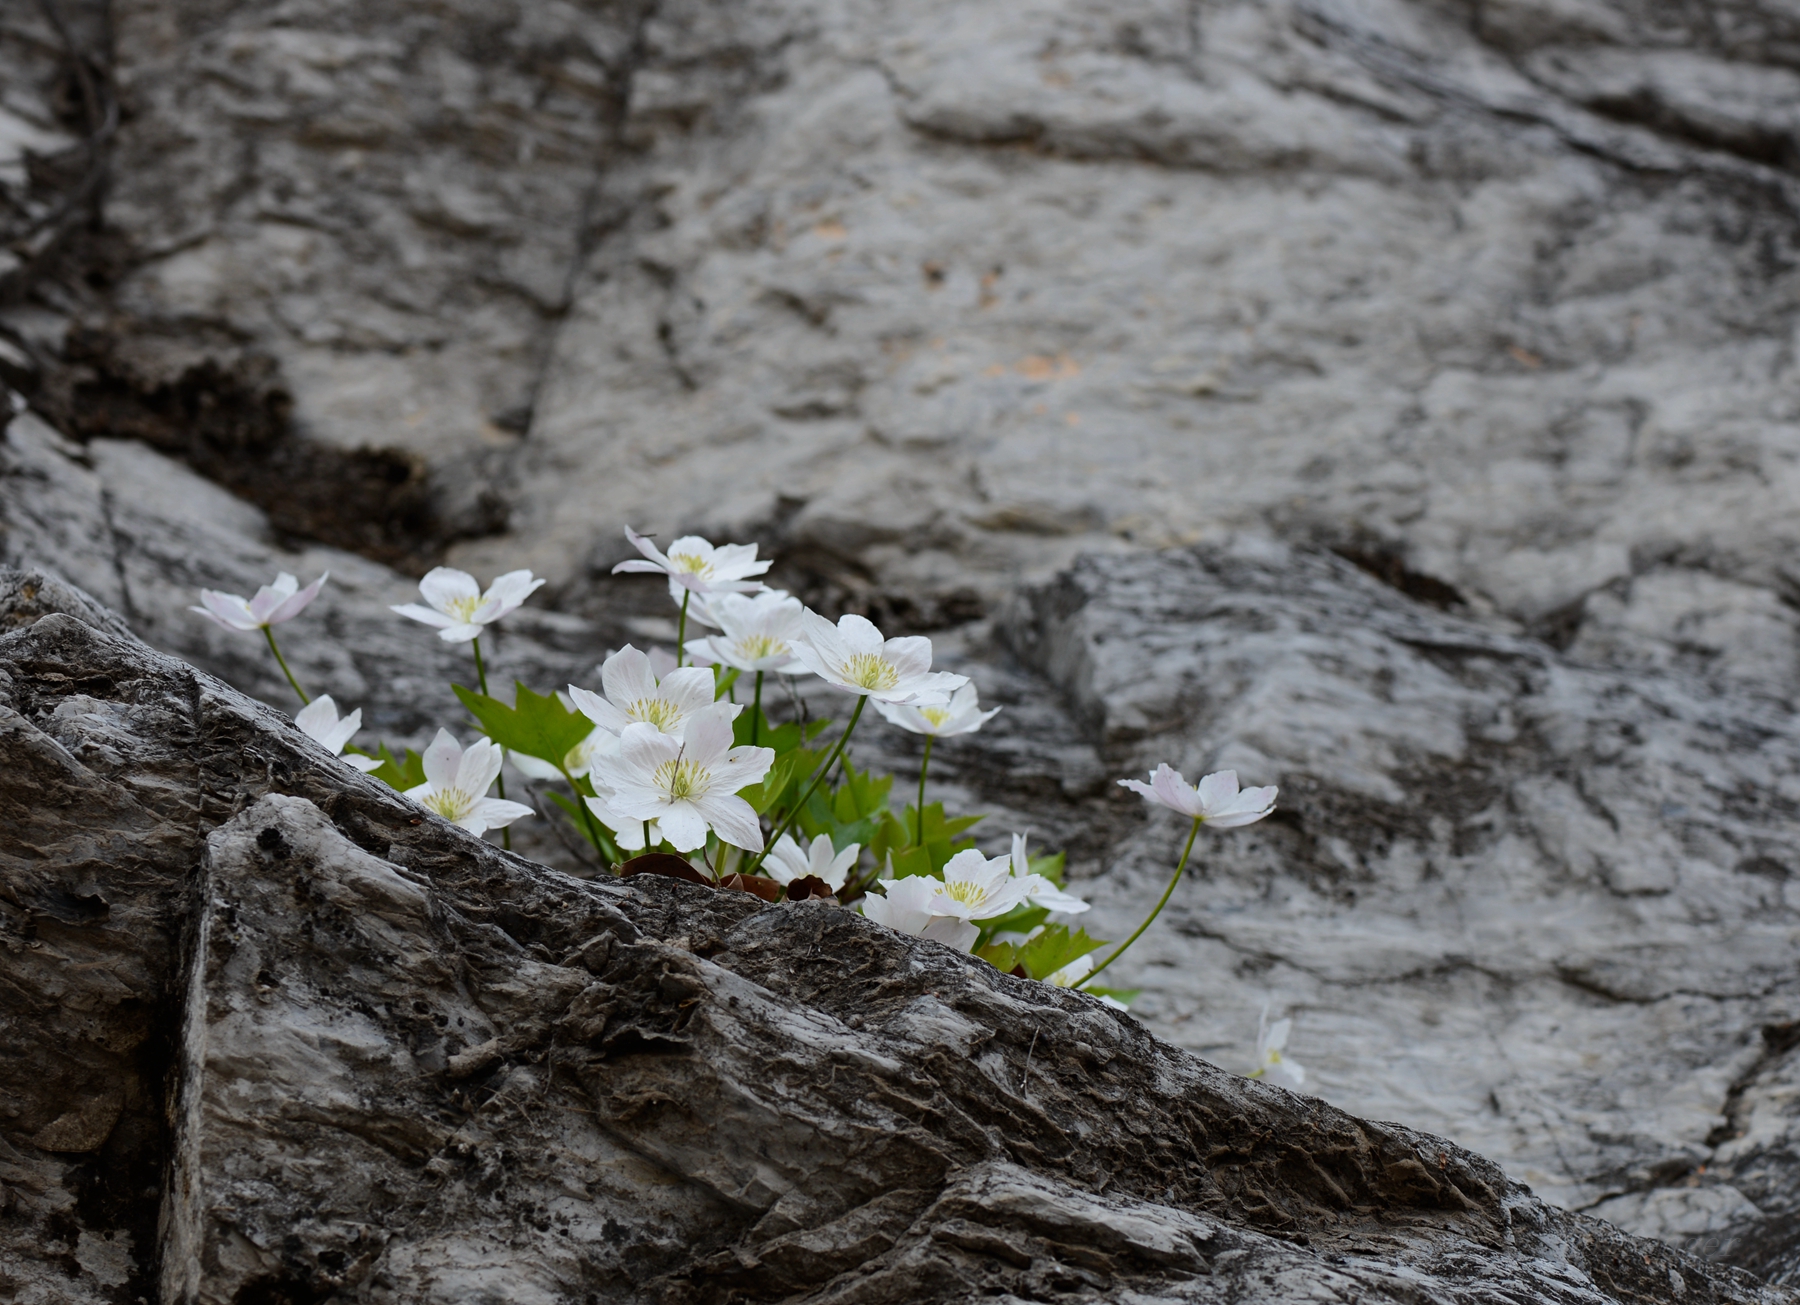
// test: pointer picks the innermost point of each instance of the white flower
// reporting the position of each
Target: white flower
(630, 835)
(1077, 970)
(976, 888)
(1271, 1065)
(457, 781)
(852, 655)
(693, 565)
(273, 604)
(458, 607)
(1215, 800)
(578, 760)
(319, 722)
(688, 784)
(757, 629)
(787, 862)
(1039, 890)
(908, 908)
(633, 695)
(961, 715)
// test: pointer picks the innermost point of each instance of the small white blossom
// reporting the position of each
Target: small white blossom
(688, 783)
(1039, 890)
(853, 656)
(578, 760)
(757, 629)
(961, 715)
(695, 567)
(633, 695)
(976, 888)
(457, 781)
(458, 607)
(787, 862)
(273, 604)
(1077, 970)
(319, 722)
(1271, 1065)
(1215, 800)
(909, 908)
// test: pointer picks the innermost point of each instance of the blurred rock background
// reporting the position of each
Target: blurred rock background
(1417, 377)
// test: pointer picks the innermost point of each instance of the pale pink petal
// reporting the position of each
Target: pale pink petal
(633, 564)
(444, 585)
(442, 759)
(270, 597)
(1217, 791)
(229, 610)
(424, 614)
(1173, 791)
(292, 607)
(1138, 786)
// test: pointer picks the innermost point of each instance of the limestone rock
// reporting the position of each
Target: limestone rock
(406, 1066)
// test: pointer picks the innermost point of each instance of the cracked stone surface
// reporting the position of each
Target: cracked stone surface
(1495, 301)
(402, 1065)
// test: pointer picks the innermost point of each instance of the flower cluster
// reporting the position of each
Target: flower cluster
(665, 769)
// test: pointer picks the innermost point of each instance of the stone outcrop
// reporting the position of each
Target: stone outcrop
(277, 1034)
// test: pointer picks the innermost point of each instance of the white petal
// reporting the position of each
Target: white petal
(442, 759)
(1217, 791)
(497, 813)
(733, 819)
(480, 767)
(443, 585)
(684, 827)
(424, 614)
(598, 709)
(625, 676)
(293, 606)
(318, 717)
(460, 633)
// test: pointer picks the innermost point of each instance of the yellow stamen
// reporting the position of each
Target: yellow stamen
(681, 778)
(659, 712)
(450, 803)
(870, 671)
(936, 715)
(965, 892)
(755, 647)
(692, 563)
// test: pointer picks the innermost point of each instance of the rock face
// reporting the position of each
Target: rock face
(1492, 301)
(398, 1064)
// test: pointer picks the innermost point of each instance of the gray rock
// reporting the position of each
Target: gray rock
(406, 1066)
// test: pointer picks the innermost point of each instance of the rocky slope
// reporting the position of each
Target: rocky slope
(1492, 301)
(383, 1061)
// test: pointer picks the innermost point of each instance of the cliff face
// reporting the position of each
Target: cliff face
(1448, 346)
(278, 1035)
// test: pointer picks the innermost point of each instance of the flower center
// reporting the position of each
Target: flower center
(755, 647)
(682, 779)
(463, 608)
(451, 803)
(969, 894)
(870, 671)
(660, 712)
(692, 563)
(938, 716)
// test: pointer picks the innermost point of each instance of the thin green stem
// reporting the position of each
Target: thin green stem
(499, 780)
(1167, 893)
(756, 711)
(269, 633)
(818, 777)
(681, 629)
(929, 740)
(647, 836)
(587, 817)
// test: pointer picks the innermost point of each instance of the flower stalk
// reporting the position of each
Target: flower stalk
(269, 634)
(499, 780)
(923, 766)
(1168, 892)
(818, 778)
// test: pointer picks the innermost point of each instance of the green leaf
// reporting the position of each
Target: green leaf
(399, 773)
(1022, 919)
(1002, 956)
(538, 725)
(1054, 948)
(1051, 866)
(762, 796)
(723, 678)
